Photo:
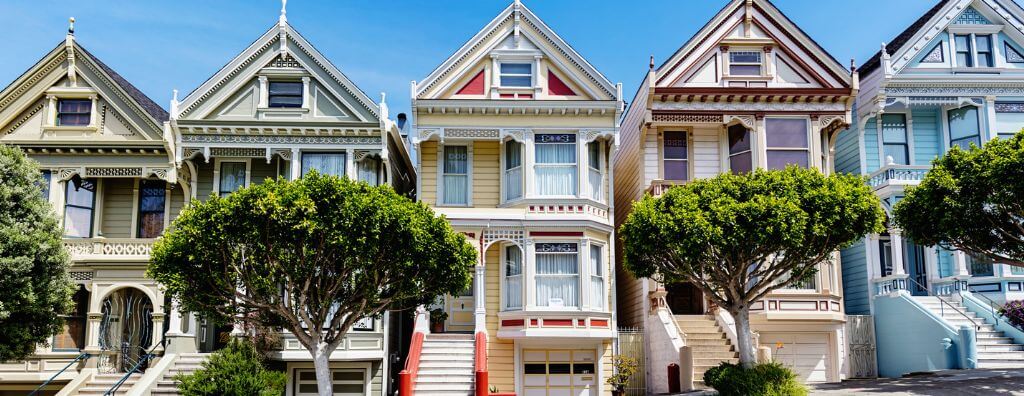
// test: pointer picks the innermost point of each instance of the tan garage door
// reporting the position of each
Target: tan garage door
(559, 373)
(807, 354)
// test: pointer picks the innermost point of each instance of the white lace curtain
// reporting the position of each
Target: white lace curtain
(456, 179)
(557, 279)
(555, 169)
(597, 292)
(324, 163)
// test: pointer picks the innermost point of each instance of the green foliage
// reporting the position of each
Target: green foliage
(767, 379)
(625, 368)
(438, 315)
(971, 200)
(236, 370)
(35, 289)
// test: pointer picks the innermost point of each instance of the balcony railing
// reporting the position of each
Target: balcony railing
(659, 186)
(108, 248)
(894, 174)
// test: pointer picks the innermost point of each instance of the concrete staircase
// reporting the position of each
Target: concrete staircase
(995, 349)
(101, 383)
(186, 363)
(446, 366)
(710, 344)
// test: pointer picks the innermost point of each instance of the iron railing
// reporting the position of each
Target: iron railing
(81, 356)
(139, 367)
(943, 303)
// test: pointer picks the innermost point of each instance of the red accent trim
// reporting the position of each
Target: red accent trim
(558, 322)
(475, 86)
(533, 322)
(525, 96)
(469, 234)
(599, 323)
(513, 322)
(407, 377)
(557, 87)
(581, 322)
(481, 364)
(508, 96)
(556, 233)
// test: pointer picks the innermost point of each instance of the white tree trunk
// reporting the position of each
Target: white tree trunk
(748, 357)
(322, 364)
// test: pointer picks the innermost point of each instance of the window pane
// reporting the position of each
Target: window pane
(675, 145)
(964, 59)
(894, 128)
(368, 171)
(513, 261)
(456, 189)
(741, 163)
(324, 163)
(963, 122)
(980, 266)
(984, 43)
(556, 154)
(535, 368)
(583, 368)
(778, 159)
(963, 43)
(745, 57)
(77, 222)
(1016, 270)
(456, 160)
(152, 200)
(74, 106)
(786, 132)
(559, 368)
(47, 176)
(897, 152)
(557, 274)
(745, 70)
(594, 155)
(676, 170)
(285, 101)
(513, 277)
(739, 139)
(513, 154)
(985, 59)
(232, 177)
(515, 81)
(516, 68)
(286, 88)
(555, 180)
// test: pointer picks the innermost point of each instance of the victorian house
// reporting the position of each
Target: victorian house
(514, 135)
(750, 90)
(955, 77)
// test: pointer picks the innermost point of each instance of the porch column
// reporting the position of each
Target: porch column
(179, 341)
(350, 164)
(758, 143)
(479, 300)
(960, 263)
(158, 323)
(296, 164)
(896, 239)
(529, 299)
(990, 112)
(174, 323)
(528, 153)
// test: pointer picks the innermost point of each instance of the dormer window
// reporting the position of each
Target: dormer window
(745, 63)
(285, 95)
(973, 50)
(516, 75)
(74, 112)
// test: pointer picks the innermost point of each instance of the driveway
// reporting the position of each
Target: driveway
(952, 382)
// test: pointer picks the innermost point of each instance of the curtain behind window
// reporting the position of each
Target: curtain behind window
(597, 292)
(513, 170)
(513, 277)
(368, 170)
(456, 175)
(79, 204)
(152, 200)
(556, 169)
(324, 163)
(557, 274)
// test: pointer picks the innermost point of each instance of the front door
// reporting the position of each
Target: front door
(685, 299)
(126, 330)
(460, 310)
(916, 269)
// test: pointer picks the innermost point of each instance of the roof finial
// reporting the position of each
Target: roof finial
(651, 64)
(71, 25)
(284, 12)
(174, 105)
(853, 65)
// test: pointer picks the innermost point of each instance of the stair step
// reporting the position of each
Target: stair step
(445, 363)
(446, 379)
(984, 347)
(443, 386)
(448, 336)
(441, 356)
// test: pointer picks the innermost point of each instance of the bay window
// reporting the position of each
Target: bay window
(232, 177)
(741, 158)
(152, 200)
(557, 274)
(745, 63)
(964, 127)
(675, 158)
(594, 169)
(555, 164)
(79, 206)
(894, 138)
(516, 75)
(47, 177)
(787, 141)
(455, 179)
(513, 170)
(324, 163)
(513, 277)
(74, 112)
(597, 291)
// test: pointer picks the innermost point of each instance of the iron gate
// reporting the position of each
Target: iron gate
(631, 344)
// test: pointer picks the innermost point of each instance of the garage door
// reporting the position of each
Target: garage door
(559, 373)
(347, 382)
(806, 353)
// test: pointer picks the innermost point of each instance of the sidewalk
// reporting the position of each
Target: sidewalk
(951, 382)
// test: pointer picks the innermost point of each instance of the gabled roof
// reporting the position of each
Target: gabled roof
(158, 113)
(901, 39)
(520, 14)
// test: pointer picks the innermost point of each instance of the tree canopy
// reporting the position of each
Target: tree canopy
(320, 252)
(35, 289)
(971, 200)
(739, 237)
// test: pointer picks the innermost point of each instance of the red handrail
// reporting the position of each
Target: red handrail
(481, 364)
(407, 377)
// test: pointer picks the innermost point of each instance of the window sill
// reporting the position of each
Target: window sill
(564, 200)
(71, 128)
(281, 112)
(747, 78)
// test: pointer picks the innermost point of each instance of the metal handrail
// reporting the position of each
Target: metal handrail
(81, 356)
(142, 359)
(942, 312)
(992, 305)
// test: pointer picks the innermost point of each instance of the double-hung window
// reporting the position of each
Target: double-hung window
(285, 94)
(516, 75)
(983, 50)
(152, 200)
(745, 63)
(47, 177)
(597, 291)
(513, 170)
(456, 175)
(741, 158)
(513, 277)
(787, 140)
(885, 256)
(973, 50)
(555, 164)
(675, 159)
(594, 170)
(894, 139)
(980, 266)
(79, 206)
(74, 112)
(964, 56)
(324, 163)
(232, 177)
(368, 170)
(964, 127)
(557, 275)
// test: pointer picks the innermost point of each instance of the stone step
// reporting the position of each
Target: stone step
(999, 363)
(696, 323)
(716, 355)
(706, 336)
(990, 354)
(983, 347)
(710, 362)
(448, 336)
(699, 349)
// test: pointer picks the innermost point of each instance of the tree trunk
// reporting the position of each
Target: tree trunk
(322, 364)
(748, 357)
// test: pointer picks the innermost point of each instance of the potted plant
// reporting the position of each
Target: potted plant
(625, 368)
(437, 318)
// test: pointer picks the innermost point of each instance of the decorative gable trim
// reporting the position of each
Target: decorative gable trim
(557, 87)
(475, 86)
(936, 55)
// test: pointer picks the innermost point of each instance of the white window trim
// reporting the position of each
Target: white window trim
(582, 272)
(580, 175)
(602, 163)
(264, 91)
(810, 141)
(522, 170)
(522, 280)
(908, 118)
(216, 171)
(469, 173)
(56, 94)
(761, 65)
(604, 277)
(532, 75)
(972, 31)
(689, 152)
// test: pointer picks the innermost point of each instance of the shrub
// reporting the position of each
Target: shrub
(766, 379)
(236, 370)
(1014, 313)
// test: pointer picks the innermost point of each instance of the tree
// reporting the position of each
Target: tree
(739, 237)
(971, 200)
(236, 370)
(313, 256)
(35, 289)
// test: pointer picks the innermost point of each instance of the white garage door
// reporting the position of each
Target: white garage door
(347, 382)
(559, 373)
(807, 354)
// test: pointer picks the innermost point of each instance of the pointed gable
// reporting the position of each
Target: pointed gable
(752, 44)
(516, 56)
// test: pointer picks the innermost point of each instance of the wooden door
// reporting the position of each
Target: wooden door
(685, 299)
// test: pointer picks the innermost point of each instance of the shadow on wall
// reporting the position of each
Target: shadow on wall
(911, 339)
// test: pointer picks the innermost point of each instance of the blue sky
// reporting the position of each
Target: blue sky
(383, 45)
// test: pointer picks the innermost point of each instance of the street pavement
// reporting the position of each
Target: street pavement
(951, 382)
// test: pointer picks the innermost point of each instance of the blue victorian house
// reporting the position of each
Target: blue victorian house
(955, 77)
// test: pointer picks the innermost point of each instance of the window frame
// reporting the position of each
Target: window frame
(907, 136)
(504, 158)
(579, 276)
(301, 95)
(503, 286)
(576, 164)
(92, 209)
(602, 265)
(139, 212)
(750, 149)
(502, 74)
(598, 193)
(968, 52)
(808, 149)
(759, 63)
(441, 173)
(87, 112)
(949, 126)
(378, 171)
(218, 166)
(687, 134)
(343, 154)
(364, 369)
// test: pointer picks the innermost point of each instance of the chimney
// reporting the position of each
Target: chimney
(401, 124)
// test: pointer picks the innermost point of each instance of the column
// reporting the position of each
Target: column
(306, 103)
(528, 159)
(584, 273)
(990, 111)
(480, 296)
(759, 143)
(581, 164)
(896, 239)
(960, 263)
(296, 164)
(158, 324)
(350, 164)
(817, 161)
(529, 265)
(264, 94)
(174, 323)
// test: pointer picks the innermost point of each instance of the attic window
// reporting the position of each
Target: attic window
(285, 94)
(745, 63)
(74, 112)
(516, 75)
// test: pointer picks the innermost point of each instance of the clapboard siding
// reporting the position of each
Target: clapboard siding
(871, 145)
(848, 152)
(706, 153)
(118, 199)
(927, 136)
(178, 200)
(376, 378)
(428, 172)
(486, 172)
(856, 290)
(204, 182)
(500, 352)
(629, 186)
(260, 170)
